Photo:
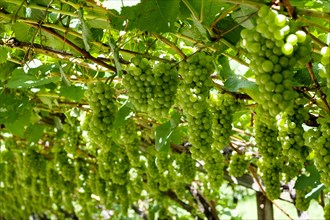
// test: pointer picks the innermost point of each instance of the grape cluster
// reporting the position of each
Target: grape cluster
(222, 107)
(100, 99)
(113, 164)
(151, 87)
(71, 135)
(64, 165)
(319, 141)
(270, 149)
(291, 132)
(302, 203)
(270, 174)
(325, 60)
(127, 137)
(274, 48)
(238, 164)
(187, 167)
(266, 135)
(214, 165)
(192, 96)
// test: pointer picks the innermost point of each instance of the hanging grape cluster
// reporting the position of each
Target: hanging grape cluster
(222, 107)
(291, 131)
(275, 47)
(101, 101)
(238, 164)
(302, 203)
(325, 60)
(319, 141)
(192, 96)
(270, 149)
(72, 134)
(151, 87)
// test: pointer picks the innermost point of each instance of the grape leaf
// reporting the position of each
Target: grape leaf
(3, 55)
(86, 32)
(226, 26)
(22, 32)
(34, 132)
(313, 180)
(235, 84)
(241, 16)
(20, 79)
(72, 92)
(164, 132)
(123, 114)
(143, 15)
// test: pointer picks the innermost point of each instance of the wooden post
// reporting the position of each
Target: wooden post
(264, 207)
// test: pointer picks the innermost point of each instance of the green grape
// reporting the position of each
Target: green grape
(214, 164)
(222, 107)
(291, 168)
(327, 212)
(163, 161)
(325, 71)
(192, 96)
(151, 87)
(100, 99)
(291, 132)
(301, 202)
(275, 47)
(266, 135)
(114, 165)
(238, 164)
(270, 174)
(186, 170)
(319, 141)
(72, 134)
(129, 139)
(65, 166)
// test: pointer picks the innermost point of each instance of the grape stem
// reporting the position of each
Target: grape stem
(255, 177)
(289, 8)
(171, 44)
(323, 97)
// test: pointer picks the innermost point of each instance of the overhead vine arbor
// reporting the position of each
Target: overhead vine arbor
(166, 109)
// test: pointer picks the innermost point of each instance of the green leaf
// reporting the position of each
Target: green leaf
(175, 119)
(241, 15)
(162, 135)
(164, 132)
(86, 32)
(6, 69)
(235, 84)
(75, 93)
(20, 79)
(315, 192)
(123, 114)
(22, 32)
(13, 108)
(16, 128)
(232, 35)
(312, 180)
(34, 132)
(226, 71)
(65, 80)
(143, 15)
(3, 55)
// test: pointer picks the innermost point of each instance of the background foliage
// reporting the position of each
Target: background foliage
(85, 134)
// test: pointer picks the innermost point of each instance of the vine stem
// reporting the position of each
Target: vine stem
(75, 47)
(323, 97)
(184, 37)
(171, 44)
(256, 178)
